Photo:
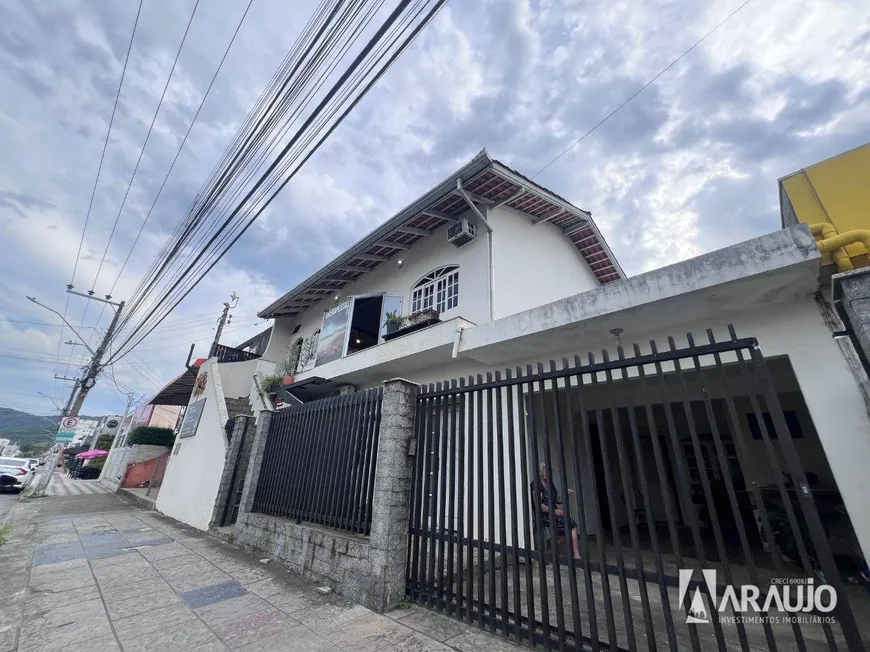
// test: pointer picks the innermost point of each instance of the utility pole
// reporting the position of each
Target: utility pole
(74, 405)
(223, 319)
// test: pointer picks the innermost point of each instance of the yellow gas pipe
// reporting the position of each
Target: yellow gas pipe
(833, 243)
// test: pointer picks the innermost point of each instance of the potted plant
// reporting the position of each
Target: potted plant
(394, 321)
(420, 316)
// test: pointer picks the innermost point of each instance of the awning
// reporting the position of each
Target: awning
(179, 390)
(310, 389)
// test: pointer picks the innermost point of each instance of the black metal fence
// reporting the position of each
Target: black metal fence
(319, 462)
(229, 354)
(563, 506)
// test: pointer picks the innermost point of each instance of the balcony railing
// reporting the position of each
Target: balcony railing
(229, 354)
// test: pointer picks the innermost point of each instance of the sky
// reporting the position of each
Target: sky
(689, 166)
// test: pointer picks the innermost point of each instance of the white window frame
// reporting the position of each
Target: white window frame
(439, 290)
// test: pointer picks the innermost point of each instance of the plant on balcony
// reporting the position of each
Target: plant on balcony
(308, 352)
(423, 315)
(271, 383)
(151, 436)
(394, 321)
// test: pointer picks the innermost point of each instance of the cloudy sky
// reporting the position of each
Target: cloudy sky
(689, 166)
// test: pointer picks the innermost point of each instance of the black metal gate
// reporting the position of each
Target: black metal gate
(680, 463)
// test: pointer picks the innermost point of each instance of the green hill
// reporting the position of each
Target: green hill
(24, 428)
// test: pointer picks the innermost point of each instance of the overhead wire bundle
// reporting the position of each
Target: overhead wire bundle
(329, 69)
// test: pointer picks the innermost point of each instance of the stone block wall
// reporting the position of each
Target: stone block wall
(369, 570)
(328, 557)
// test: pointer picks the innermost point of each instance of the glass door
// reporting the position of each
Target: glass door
(391, 304)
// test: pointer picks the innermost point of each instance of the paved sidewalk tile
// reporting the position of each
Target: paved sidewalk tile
(214, 593)
(116, 577)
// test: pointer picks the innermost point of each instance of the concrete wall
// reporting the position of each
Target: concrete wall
(195, 467)
(237, 378)
(533, 265)
(165, 416)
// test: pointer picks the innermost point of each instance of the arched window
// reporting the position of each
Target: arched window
(439, 290)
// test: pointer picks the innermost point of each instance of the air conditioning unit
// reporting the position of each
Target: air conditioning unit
(461, 232)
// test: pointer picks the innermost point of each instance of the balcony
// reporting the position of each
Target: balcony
(229, 354)
(429, 347)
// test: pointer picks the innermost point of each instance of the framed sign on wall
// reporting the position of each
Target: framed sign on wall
(191, 419)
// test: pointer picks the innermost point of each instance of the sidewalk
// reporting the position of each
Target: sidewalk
(63, 486)
(96, 573)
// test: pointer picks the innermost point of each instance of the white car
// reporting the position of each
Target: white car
(15, 473)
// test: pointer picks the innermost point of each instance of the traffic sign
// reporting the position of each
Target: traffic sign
(69, 423)
(64, 436)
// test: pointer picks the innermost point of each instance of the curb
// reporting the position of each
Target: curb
(137, 500)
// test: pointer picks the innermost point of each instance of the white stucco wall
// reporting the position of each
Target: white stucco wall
(425, 256)
(533, 265)
(237, 377)
(194, 471)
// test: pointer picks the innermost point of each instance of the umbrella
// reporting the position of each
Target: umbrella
(87, 455)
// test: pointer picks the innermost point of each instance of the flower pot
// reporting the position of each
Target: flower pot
(392, 327)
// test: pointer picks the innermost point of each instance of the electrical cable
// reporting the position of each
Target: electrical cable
(327, 109)
(641, 89)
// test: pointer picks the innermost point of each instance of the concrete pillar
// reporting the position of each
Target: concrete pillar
(852, 300)
(258, 448)
(391, 505)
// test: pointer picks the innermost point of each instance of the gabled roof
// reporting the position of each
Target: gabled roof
(178, 391)
(484, 180)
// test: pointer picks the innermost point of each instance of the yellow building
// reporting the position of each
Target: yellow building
(833, 197)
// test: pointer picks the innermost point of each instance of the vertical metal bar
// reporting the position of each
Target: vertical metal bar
(354, 429)
(629, 498)
(502, 515)
(437, 524)
(743, 456)
(470, 503)
(529, 519)
(490, 503)
(751, 381)
(664, 477)
(535, 487)
(266, 499)
(461, 504)
(599, 532)
(372, 459)
(581, 516)
(317, 441)
(429, 455)
(327, 458)
(566, 510)
(512, 510)
(481, 482)
(685, 490)
(306, 420)
(808, 506)
(419, 539)
(413, 517)
(706, 488)
(611, 504)
(645, 493)
(444, 528)
(335, 490)
(451, 496)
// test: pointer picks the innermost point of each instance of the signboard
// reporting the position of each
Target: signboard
(191, 419)
(111, 424)
(69, 423)
(64, 436)
(333, 334)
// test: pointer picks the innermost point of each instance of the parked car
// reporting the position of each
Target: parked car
(33, 463)
(15, 473)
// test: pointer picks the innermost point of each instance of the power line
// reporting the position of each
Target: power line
(141, 155)
(99, 171)
(390, 40)
(642, 89)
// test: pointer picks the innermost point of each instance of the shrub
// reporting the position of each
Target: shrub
(104, 443)
(149, 436)
(271, 383)
(97, 463)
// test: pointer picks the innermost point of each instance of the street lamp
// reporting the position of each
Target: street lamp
(63, 319)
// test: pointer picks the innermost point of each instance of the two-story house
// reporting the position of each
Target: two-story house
(483, 244)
